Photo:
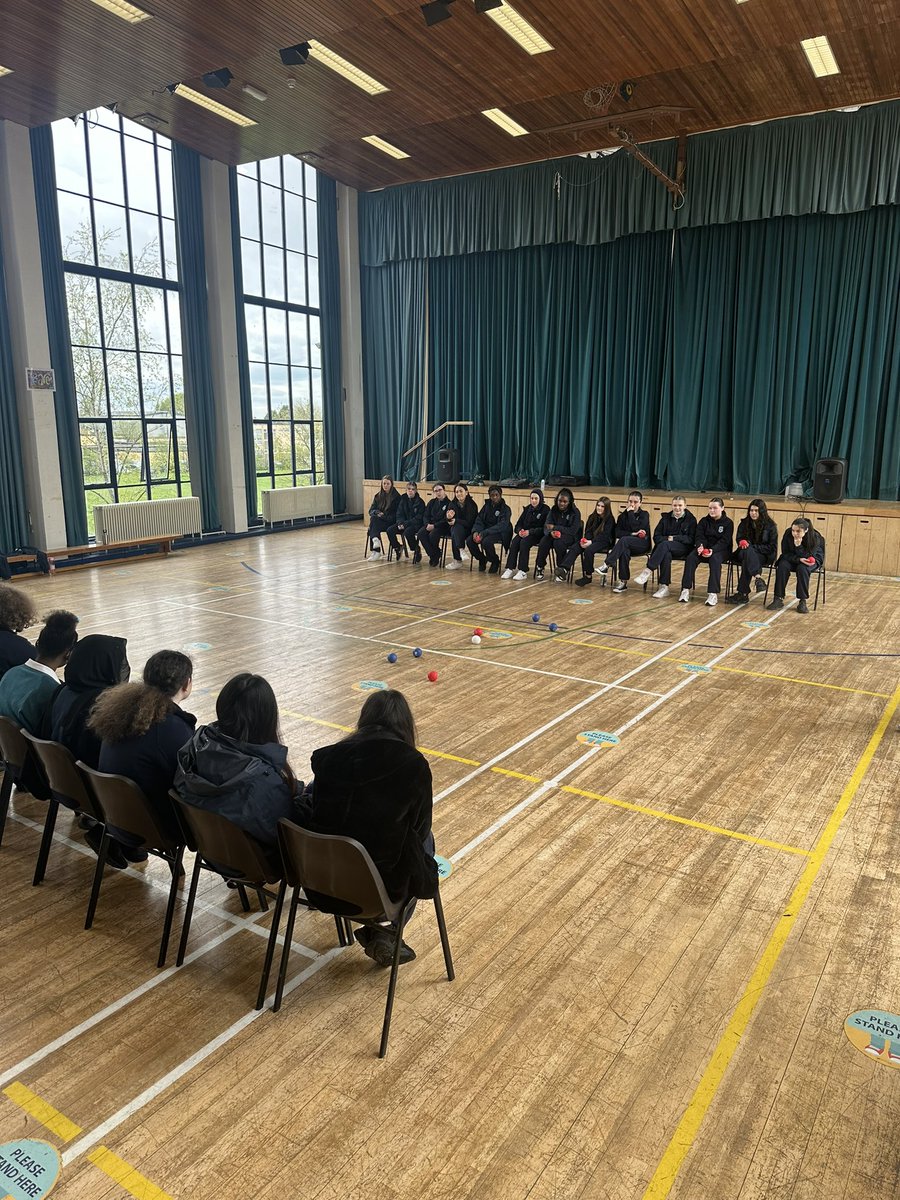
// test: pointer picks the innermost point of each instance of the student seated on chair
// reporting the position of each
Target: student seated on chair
(528, 531)
(712, 545)
(382, 513)
(98, 662)
(598, 538)
(561, 532)
(802, 552)
(757, 545)
(27, 691)
(673, 537)
(461, 515)
(410, 517)
(17, 612)
(434, 525)
(493, 527)
(238, 766)
(375, 786)
(632, 537)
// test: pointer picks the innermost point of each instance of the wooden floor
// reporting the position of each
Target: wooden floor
(657, 942)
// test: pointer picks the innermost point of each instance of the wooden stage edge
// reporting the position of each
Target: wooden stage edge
(862, 537)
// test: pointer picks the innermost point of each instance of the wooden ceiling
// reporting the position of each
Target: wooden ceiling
(723, 63)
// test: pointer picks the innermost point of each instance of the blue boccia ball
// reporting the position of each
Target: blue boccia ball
(417, 653)
(535, 617)
(392, 658)
(553, 627)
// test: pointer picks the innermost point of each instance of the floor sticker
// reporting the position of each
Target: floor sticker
(876, 1034)
(29, 1169)
(596, 737)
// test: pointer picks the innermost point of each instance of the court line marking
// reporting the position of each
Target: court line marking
(471, 762)
(126, 1176)
(834, 687)
(51, 1118)
(449, 612)
(688, 1127)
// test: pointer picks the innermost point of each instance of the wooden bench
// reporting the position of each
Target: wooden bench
(103, 552)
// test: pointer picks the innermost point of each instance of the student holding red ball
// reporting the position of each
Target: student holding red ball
(712, 545)
(598, 538)
(757, 545)
(802, 551)
(632, 537)
(561, 531)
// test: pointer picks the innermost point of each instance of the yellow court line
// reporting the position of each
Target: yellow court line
(125, 1176)
(50, 1117)
(516, 775)
(468, 762)
(834, 687)
(689, 1126)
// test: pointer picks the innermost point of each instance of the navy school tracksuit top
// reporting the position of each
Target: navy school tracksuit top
(567, 522)
(681, 531)
(494, 519)
(768, 543)
(411, 512)
(630, 523)
(715, 533)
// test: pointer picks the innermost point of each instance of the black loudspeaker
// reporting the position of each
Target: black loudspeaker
(448, 465)
(829, 480)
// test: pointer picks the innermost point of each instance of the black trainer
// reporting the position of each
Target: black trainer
(759, 583)
(494, 568)
(778, 602)
(803, 607)
(114, 856)
(585, 581)
(482, 565)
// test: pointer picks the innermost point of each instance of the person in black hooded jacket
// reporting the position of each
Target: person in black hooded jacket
(17, 612)
(673, 537)
(528, 531)
(98, 662)
(382, 514)
(632, 537)
(712, 545)
(434, 526)
(410, 517)
(598, 537)
(802, 552)
(375, 786)
(492, 527)
(561, 531)
(757, 545)
(461, 515)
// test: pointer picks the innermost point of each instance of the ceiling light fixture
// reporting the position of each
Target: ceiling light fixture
(218, 79)
(121, 8)
(213, 106)
(436, 11)
(5, 71)
(295, 56)
(820, 55)
(506, 123)
(516, 27)
(341, 66)
(385, 147)
(257, 93)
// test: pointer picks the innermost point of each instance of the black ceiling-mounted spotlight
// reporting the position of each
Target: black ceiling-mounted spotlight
(171, 88)
(218, 79)
(626, 89)
(483, 6)
(295, 56)
(436, 11)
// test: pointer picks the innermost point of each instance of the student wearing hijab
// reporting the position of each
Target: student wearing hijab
(561, 531)
(598, 538)
(382, 513)
(757, 545)
(410, 517)
(802, 552)
(98, 662)
(27, 691)
(528, 531)
(493, 527)
(461, 515)
(632, 537)
(17, 612)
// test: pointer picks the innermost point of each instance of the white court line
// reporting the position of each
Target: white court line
(450, 611)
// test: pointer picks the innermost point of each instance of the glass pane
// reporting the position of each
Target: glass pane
(151, 317)
(277, 335)
(133, 129)
(248, 207)
(156, 385)
(178, 384)
(317, 394)
(124, 393)
(103, 116)
(312, 235)
(273, 232)
(69, 156)
(145, 244)
(183, 462)
(140, 175)
(161, 449)
(315, 342)
(279, 393)
(312, 265)
(303, 447)
(296, 270)
(93, 498)
(112, 239)
(281, 448)
(118, 317)
(259, 391)
(248, 169)
(75, 228)
(84, 313)
(170, 251)
(319, 432)
(250, 268)
(106, 164)
(261, 446)
(94, 452)
(128, 453)
(174, 302)
(309, 175)
(274, 268)
(299, 339)
(166, 186)
(293, 173)
(293, 223)
(256, 332)
(270, 171)
(90, 382)
(301, 393)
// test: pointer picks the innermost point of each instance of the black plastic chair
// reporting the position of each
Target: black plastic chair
(349, 886)
(20, 767)
(818, 573)
(127, 808)
(734, 570)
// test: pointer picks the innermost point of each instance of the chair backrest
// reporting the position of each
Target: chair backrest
(339, 869)
(19, 759)
(66, 784)
(127, 808)
(222, 842)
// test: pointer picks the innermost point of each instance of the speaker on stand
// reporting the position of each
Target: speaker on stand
(448, 465)
(829, 480)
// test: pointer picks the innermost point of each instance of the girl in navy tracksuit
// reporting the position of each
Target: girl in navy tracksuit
(493, 525)
(757, 545)
(598, 538)
(382, 513)
(712, 545)
(528, 532)
(409, 518)
(461, 516)
(632, 537)
(802, 552)
(561, 531)
(434, 526)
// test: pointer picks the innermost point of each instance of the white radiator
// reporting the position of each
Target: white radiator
(285, 504)
(179, 517)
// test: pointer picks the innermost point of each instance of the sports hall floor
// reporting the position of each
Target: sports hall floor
(657, 942)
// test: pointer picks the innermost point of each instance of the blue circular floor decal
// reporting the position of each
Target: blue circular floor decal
(28, 1169)
(497, 635)
(444, 866)
(596, 737)
(370, 685)
(694, 668)
(877, 1034)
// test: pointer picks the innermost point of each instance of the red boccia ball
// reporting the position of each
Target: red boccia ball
(432, 676)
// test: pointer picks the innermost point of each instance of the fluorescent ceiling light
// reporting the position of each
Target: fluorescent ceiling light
(221, 110)
(328, 58)
(821, 57)
(507, 124)
(121, 8)
(386, 147)
(5, 71)
(519, 30)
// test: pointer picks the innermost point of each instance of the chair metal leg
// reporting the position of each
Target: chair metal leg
(177, 872)
(348, 928)
(5, 794)
(286, 950)
(98, 879)
(189, 909)
(263, 902)
(44, 852)
(445, 941)
(242, 892)
(392, 985)
(341, 931)
(270, 945)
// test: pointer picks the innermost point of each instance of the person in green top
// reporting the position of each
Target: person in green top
(27, 691)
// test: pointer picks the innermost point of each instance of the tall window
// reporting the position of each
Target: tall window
(116, 213)
(279, 255)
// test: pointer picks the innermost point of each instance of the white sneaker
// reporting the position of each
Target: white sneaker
(642, 578)
(620, 586)
(601, 570)
(508, 573)
(453, 565)
(520, 575)
(661, 593)
(685, 596)
(464, 555)
(712, 599)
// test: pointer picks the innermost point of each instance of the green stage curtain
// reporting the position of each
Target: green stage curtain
(556, 354)
(330, 298)
(394, 300)
(13, 516)
(243, 358)
(199, 394)
(784, 347)
(65, 402)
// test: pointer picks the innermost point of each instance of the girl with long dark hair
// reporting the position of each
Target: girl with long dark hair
(757, 545)
(382, 513)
